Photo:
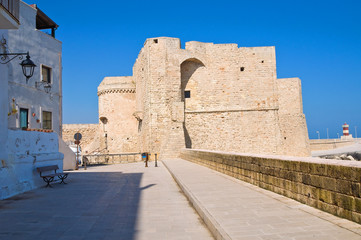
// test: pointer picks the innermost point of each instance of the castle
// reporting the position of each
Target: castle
(206, 96)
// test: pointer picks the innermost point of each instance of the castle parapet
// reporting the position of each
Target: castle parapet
(116, 85)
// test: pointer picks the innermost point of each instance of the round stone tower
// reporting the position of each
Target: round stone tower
(118, 126)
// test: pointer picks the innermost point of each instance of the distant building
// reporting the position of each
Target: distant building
(206, 96)
(34, 105)
(346, 133)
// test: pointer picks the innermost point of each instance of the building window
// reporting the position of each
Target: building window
(24, 118)
(45, 74)
(187, 94)
(47, 120)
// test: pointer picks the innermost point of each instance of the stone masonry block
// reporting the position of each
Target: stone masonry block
(328, 183)
(255, 167)
(345, 202)
(356, 189)
(344, 213)
(327, 207)
(325, 196)
(356, 174)
(339, 172)
(306, 179)
(290, 165)
(316, 181)
(298, 177)
(305, 167)
(318, 169)
(358, 205)
(356, 217)
(344, 187)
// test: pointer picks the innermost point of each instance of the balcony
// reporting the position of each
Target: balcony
(43, 22)
(9, 14)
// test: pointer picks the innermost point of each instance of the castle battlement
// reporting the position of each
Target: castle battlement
(124, 84)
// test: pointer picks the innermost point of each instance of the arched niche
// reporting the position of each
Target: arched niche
(192, 70)
(188, 69)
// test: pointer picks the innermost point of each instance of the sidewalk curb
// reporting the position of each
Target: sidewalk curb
(214, 227)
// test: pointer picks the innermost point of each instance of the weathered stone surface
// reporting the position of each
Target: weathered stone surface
(330, 186)
(206, 96)
(88, 131)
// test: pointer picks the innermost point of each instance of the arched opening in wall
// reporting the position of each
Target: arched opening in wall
(188, 68)
(189, 90)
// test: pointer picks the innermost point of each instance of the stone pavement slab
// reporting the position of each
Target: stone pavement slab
(124, 201)
(233, 209)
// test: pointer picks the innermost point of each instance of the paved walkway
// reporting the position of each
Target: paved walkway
(237, 210)
(129, 201)
(126, 201)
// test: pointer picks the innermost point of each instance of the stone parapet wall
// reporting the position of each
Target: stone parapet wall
(113, 158)
(330, 185)
(327, 144)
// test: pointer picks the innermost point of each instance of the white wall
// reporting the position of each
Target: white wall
(27, 151)
(69, 162)
(21, 152)
(44, 50)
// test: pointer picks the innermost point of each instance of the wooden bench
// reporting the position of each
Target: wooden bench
(48, 178)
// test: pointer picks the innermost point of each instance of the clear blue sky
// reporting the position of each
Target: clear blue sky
(317, 41)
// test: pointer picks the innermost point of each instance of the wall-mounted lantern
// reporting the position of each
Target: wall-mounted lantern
(27, 65)
(46, 85)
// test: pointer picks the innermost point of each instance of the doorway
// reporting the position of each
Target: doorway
(24, 114)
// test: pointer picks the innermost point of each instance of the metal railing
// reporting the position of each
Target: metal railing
(12, 7)
(95, 159)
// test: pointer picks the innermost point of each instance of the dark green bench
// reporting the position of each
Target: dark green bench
(49, 177)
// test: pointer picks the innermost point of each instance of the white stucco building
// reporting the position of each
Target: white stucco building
(28, 104)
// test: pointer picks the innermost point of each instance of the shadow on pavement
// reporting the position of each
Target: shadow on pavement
(93, 205)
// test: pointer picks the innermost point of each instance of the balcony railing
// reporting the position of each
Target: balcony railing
(12, 7)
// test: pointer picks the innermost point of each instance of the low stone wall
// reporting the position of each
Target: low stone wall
(327, 144)
(330, 185)
(113, 158)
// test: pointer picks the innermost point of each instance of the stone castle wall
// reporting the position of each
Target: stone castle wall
(292, 121)
(206, 96)
(157, 76)
(234, 103)
(232, 131)
(233, 100)
(89, 134)
(118, 133)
